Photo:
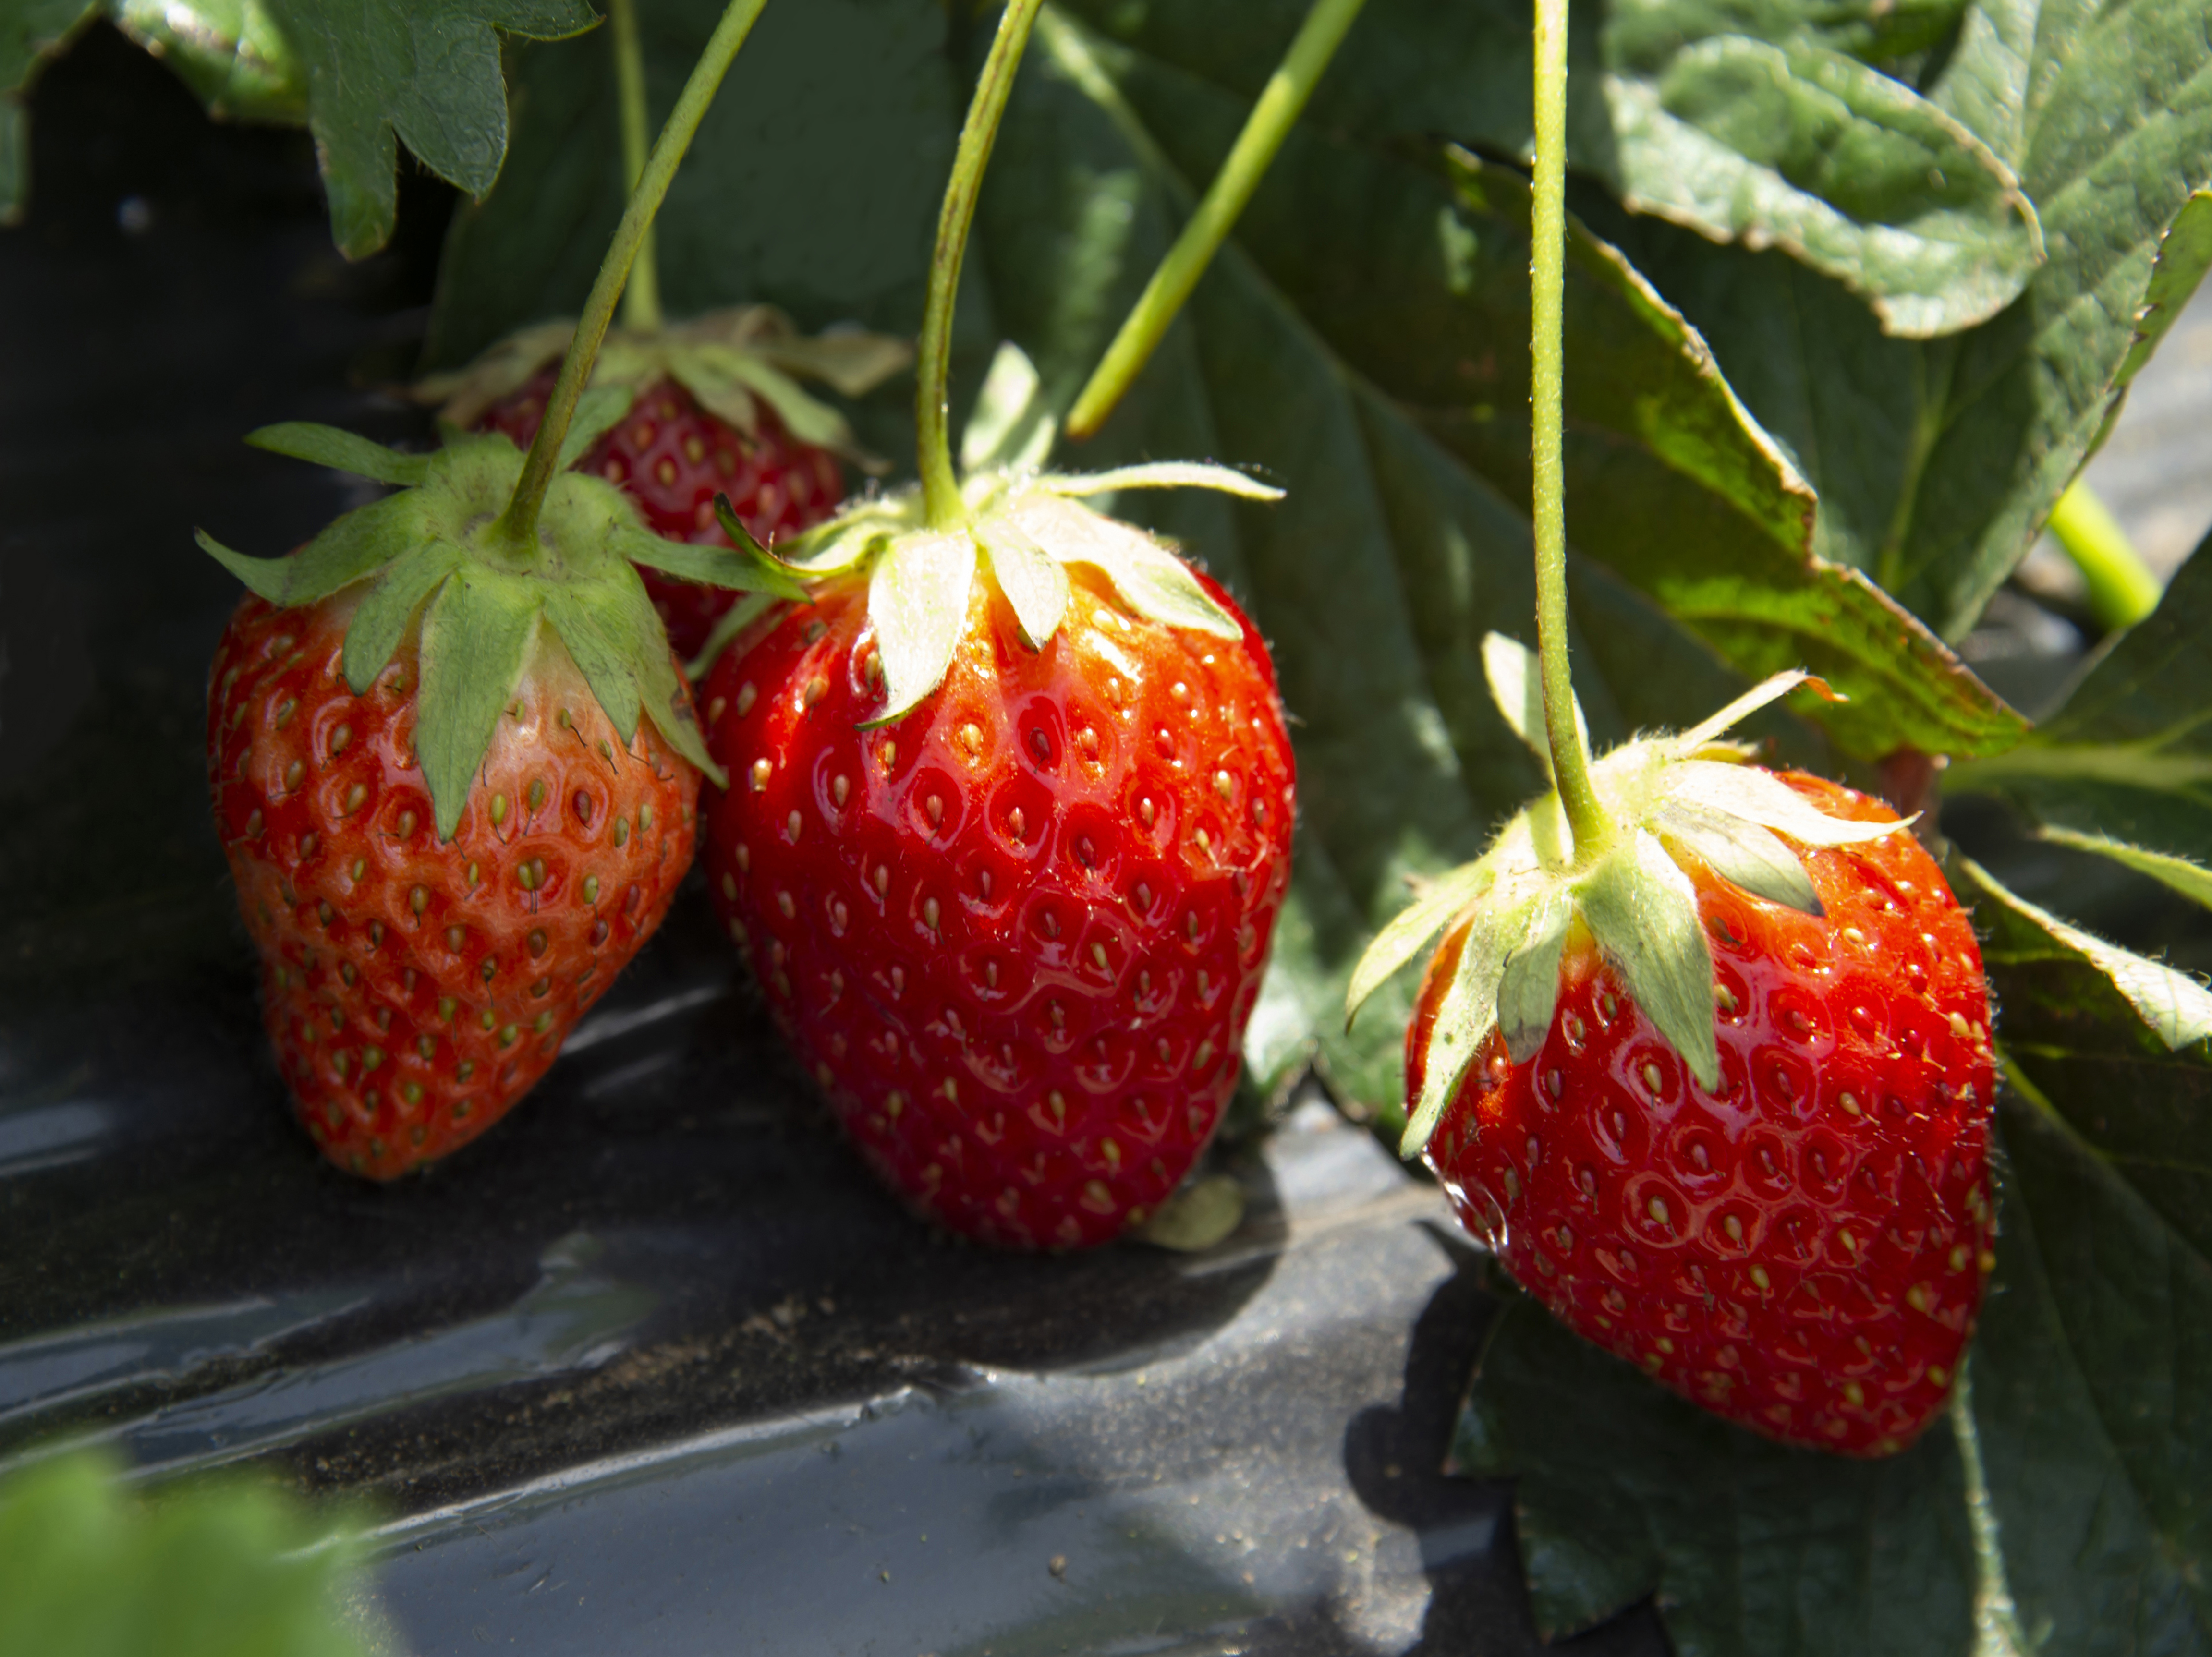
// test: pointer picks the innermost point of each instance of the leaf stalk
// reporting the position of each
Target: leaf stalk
(2122, 589)
(1586, 817)
(641, 298)
(1279, 107)
(517, 524)
(942, 505)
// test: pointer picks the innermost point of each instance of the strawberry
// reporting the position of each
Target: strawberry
(1719, 1101)
(1007, 828)
(455, 772)
(673, 458)
(414, 990)
(714, 409)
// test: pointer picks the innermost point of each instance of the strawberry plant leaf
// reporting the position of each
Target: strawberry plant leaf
(215, 1570)
(425, 72)
(1623, 1490)
(388, 606)
(362, 74)
(1763, 123)
(341, 451)
(2129, 756)
(1937, 462)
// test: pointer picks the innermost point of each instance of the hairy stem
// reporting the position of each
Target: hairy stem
(1547, 305)
(1203, 232)
(940, 487)
(517, 524)
(2122, 589)
(641, 298)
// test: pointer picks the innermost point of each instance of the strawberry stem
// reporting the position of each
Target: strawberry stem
(940, 486)
(517, 524)
(641, 298)
(1279, 103)
(1586, 817)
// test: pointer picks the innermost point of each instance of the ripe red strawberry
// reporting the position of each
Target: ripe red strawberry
(1012, 919)
(714, 407)
(455, 770)
(414, 990)
(673, 457)
(1803, 1249)
(1717, 1097)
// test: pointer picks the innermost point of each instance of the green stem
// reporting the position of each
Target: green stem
(641, 298)
(2121, 591)
(517, 524)
(1547, 284)
(942, 505)
(1203, 232)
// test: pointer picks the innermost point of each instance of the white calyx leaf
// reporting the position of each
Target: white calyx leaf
(1011, 429)
(1772, 688)
(1517, 685)
(1161, 474)
(1752, 795)
(1151, 581)
(918, 604)
(1412, 928)
(1643, 911)
(1465, 1018)
(1035, 585)
(1740, 853)
(1528, 987)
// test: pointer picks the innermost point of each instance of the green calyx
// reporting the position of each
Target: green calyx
(734, 361)
(1670, 798)
(1023, 527)
(435, 557)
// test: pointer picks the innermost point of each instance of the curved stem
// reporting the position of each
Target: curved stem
(641, 298)
(1546, 328)
(517, 524)
(1203, 232)
(2122, 589)
(940, 486)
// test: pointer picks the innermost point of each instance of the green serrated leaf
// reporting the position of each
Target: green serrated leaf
(1528, 988)
(426, 72)
(1517, 685)
(341, 451)
(597, 411)
(1853, 172)
(1643, 911)
(1034, 582)
(2192, 880)
(1961, 446)
(381, 618)
(476, 638)
(918, 604)
(1150, 579)
(1739, 852)
(2173, 1005)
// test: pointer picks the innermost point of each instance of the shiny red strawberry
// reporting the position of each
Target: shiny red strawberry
(455, 769)
(1803, 1248)
(1716, 1092)
(673, 458)
(414, 989)
(713, 406)
(1012, 913)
